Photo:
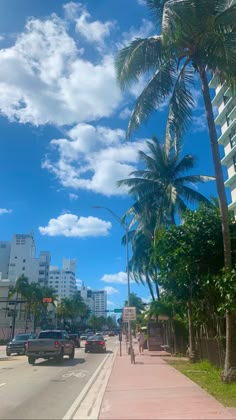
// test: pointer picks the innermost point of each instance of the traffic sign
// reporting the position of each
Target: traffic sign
(47, 300)
(118, 311)
(129, 313)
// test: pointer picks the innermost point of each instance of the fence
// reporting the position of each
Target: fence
(211, 349)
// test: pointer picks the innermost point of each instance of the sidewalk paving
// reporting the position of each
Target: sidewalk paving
(152, 389)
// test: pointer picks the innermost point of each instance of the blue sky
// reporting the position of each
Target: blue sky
(62, 123)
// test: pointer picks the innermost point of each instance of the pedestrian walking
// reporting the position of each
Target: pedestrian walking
(141, 340)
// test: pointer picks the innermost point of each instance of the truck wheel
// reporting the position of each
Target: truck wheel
(8, 353)
(72, 355)
(60, 357)
(31, 360)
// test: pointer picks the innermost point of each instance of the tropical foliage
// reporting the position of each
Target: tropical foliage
(194, 38)
(162, 192)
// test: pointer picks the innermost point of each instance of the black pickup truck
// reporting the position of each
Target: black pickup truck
(50, 344)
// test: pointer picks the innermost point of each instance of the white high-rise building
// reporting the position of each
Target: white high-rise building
(18, 258)
(226, 119)
(100, 302)
(96, 300)
(63, 280)
(87, 296)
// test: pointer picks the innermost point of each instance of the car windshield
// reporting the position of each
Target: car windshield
(96, 338)
(23, 337)
(50, 334)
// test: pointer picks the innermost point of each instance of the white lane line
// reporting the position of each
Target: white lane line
(4, 383)
(90, 407)
(85, 390)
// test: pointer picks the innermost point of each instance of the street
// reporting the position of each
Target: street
(48, 390)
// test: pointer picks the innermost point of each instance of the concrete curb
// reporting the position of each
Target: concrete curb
(87, 404)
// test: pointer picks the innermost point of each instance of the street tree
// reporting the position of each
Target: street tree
(162, 191)
(196, 38)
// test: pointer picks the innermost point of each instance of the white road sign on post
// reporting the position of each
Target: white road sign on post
(129, 314)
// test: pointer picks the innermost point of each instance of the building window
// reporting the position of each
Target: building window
(232, 137)
(226, 99)
(234, 161)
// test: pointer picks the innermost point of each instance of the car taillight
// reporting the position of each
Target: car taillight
(86, 342)
(27, 344)
(101, 342)
(56, 344)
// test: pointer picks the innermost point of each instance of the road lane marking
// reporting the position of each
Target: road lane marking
(78, 374)
(4, 383)
(90, 407)
(85, 390)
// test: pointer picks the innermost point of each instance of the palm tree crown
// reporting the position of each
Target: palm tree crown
(163, 189)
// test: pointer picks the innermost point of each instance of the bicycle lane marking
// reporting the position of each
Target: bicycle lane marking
(84, 392)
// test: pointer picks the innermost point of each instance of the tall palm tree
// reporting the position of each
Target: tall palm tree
(162, 190)
(196, 37)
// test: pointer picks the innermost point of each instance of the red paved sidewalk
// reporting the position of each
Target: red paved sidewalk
(151, 389)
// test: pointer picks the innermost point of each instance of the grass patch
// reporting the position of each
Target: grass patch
(209, 378)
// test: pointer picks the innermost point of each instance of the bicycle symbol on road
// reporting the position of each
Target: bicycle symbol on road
(80, 374)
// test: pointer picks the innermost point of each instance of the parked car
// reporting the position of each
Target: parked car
(17, 345)
(96, 344)
(50, 344)
(75, 338)
(111, 334)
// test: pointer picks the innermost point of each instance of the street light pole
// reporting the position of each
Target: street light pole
(126, 228)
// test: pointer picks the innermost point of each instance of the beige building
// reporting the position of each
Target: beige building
(7, 308)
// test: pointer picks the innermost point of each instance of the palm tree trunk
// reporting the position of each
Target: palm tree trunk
(218, 169)
(192, 352)
(229, 373)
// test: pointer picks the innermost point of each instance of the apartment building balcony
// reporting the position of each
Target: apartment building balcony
(232, 206)
(223, 90)
(230, 181)
(230, 155)
(229, 132)
(228, 111)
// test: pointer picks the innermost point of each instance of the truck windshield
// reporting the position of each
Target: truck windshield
(50, 334)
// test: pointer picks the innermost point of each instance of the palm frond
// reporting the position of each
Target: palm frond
(141, 56)
(153, 95)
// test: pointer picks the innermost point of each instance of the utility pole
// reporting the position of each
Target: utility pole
(126, 228)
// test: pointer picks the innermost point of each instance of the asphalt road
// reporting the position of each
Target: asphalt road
(46, 390)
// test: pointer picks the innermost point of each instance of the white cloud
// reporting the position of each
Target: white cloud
(54, 82)
(199, 123)
(71, 10)
(95, 31)
(125, 113)
(118, 278)
(5, 211)
(94, 159)
(111, 304)
(70, 225)
(79, 283)
(73, 197)
(111, 290)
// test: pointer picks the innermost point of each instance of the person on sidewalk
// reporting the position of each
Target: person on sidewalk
(141, 340)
